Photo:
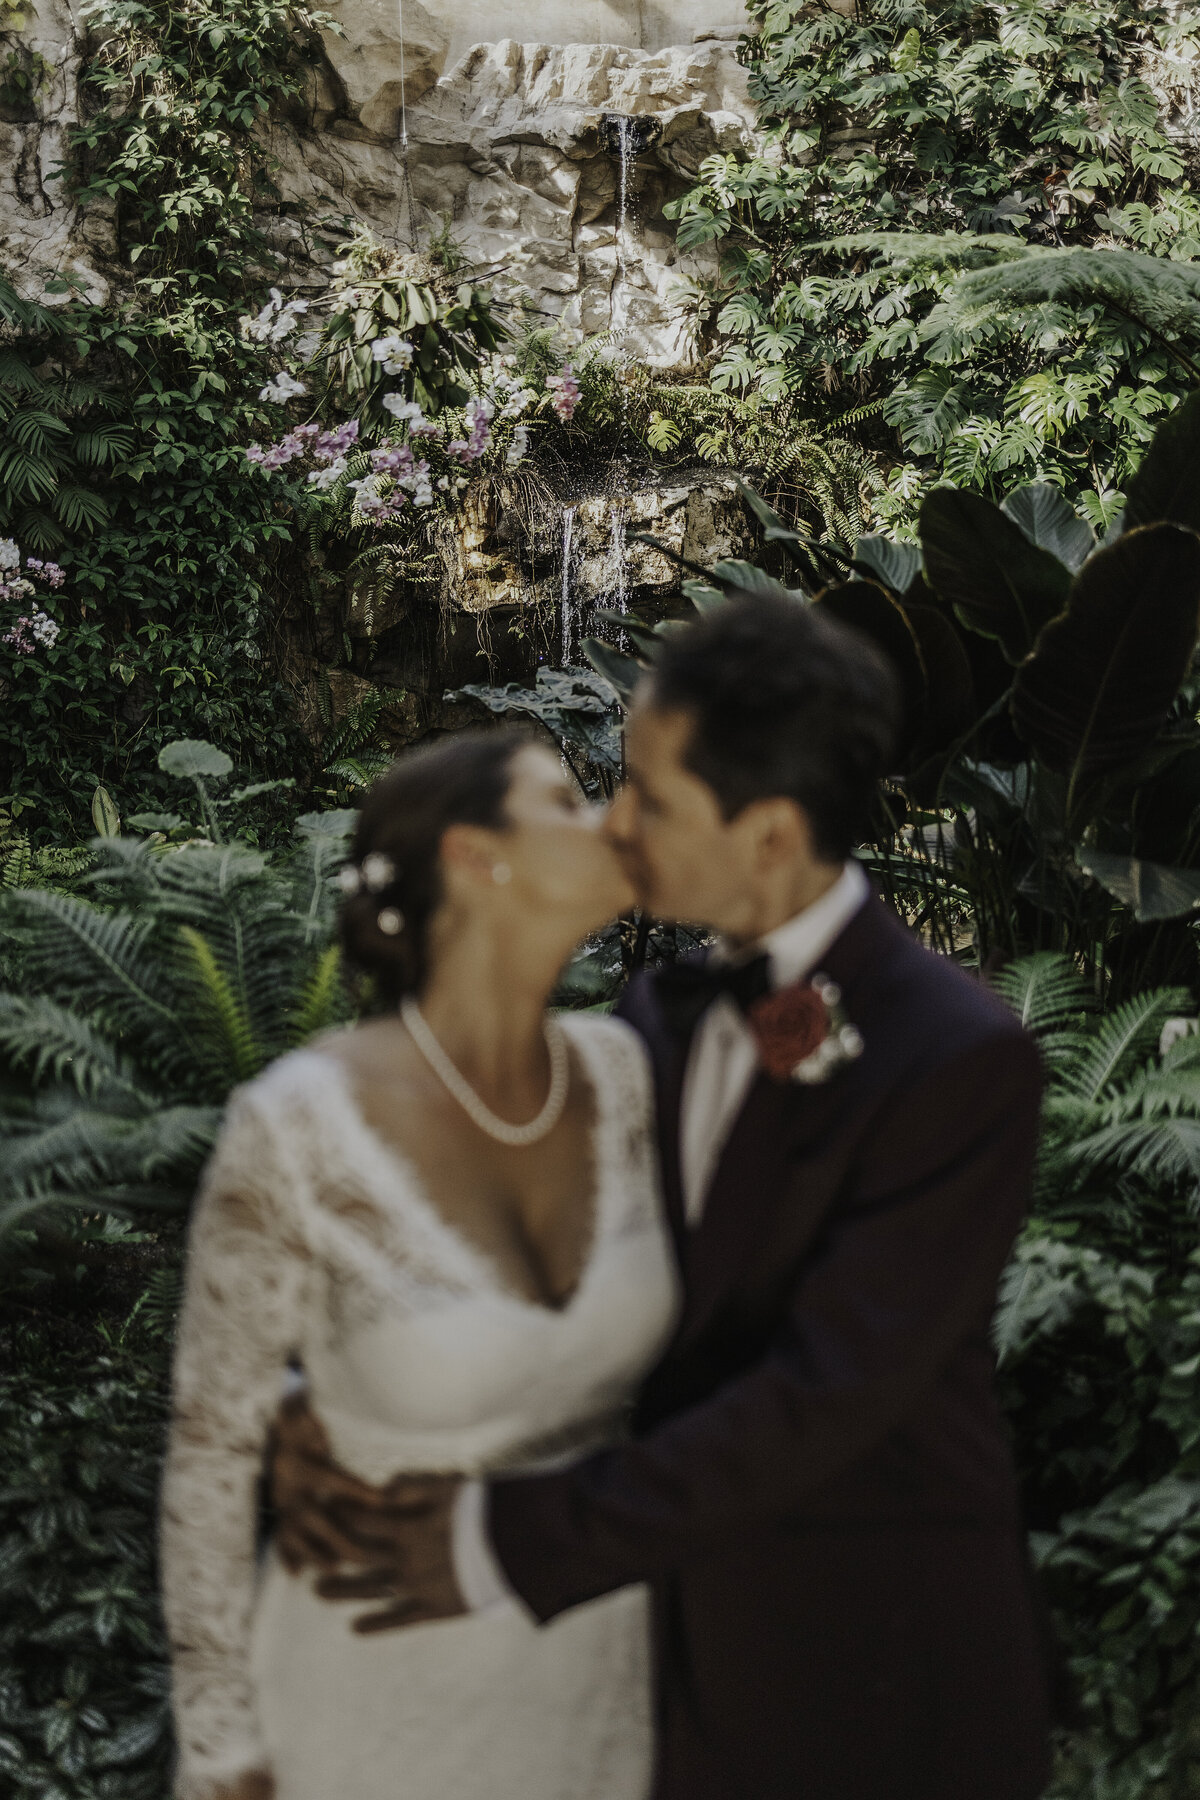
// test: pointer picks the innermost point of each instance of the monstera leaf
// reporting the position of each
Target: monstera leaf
(1098, 687)
(1150, 890)
(981, 563)
(1167, 485)
(1047, 520)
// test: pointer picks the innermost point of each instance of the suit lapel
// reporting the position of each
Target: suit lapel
(776, 1122)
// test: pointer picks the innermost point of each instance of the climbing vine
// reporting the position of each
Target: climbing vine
(124, 427)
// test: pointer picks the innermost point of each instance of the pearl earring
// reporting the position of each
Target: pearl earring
(390, 921)
(501, 874)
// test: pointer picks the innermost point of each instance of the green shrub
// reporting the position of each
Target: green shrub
(83, 1681)
(965, 133)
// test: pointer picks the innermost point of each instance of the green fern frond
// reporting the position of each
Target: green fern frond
(1046, 991)
(318, 1004)
(47, 1040)
(230, 1032)
(1122, 1040)
(1164, 1150)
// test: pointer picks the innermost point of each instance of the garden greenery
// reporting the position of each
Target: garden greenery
(966, 133)
(124, 428)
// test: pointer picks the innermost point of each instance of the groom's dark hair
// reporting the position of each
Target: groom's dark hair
(784, 702)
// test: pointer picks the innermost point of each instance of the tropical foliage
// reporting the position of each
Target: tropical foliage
(1021, 136)
(128, 1016)
(1044, 790)
(1099, 1339)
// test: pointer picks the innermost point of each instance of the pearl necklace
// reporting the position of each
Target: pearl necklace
(517, 1137)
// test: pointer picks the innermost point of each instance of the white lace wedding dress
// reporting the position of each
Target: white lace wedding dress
(313, 1239)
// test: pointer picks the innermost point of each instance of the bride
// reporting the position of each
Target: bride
(448, 1216)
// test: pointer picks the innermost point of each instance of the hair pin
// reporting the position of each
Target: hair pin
(379, 871)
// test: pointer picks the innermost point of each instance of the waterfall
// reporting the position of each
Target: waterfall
(619, 307)
(616, 565)
(569, 609)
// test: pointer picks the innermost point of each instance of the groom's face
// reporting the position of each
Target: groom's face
(685, 859)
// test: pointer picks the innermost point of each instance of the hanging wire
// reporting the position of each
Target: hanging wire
(408, 199)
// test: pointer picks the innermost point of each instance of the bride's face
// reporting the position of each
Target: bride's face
(561, 864)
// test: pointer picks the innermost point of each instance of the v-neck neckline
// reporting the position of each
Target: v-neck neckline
(412, 1183)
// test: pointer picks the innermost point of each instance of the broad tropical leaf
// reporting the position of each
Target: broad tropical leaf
(1048, 521)
(1167, 483)
(1150, 890)
(981, 563)
(879, 616)
(1103, 677)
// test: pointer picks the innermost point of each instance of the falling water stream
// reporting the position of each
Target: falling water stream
(616, 563)
(568, 608)
(619, 307)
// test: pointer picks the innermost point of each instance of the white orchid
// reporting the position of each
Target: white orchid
(10, 555)
(394, 352)
(328, 477)
(287, 320)
(406, 411)
(518, 449)
(282, 387)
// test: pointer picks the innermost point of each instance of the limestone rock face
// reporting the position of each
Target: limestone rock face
(578, 554)
(519, 144)
(372, 65)
(520, 147)
(40, 231)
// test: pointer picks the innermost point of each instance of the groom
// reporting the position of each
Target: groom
(818, 1485)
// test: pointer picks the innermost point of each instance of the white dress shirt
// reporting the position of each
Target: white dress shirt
(720, 1071)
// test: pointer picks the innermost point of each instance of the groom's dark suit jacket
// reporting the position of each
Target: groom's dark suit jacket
(819, 1486)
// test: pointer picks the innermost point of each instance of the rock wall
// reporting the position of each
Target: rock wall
(520, 146)
(508, 139)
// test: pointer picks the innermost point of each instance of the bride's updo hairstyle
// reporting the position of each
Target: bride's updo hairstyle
(393, 879)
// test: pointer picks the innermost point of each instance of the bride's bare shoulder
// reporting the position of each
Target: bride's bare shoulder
(363, 1043)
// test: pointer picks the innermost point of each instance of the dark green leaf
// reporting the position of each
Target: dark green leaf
(982, 564)
(1100, 684)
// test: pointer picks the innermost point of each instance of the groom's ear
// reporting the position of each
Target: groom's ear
(778, 831)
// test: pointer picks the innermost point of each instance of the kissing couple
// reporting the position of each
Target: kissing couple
(648, 1393)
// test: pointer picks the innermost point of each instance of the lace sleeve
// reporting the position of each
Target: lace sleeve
(240, 1320)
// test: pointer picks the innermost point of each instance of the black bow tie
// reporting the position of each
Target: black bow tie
(687, 990)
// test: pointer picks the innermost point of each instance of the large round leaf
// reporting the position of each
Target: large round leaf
(982, 564)
(869, 608)
(881, 559)
(1097, 689)
(1047, 520)
(194, 760)
(1150, 890)
(1167, 485)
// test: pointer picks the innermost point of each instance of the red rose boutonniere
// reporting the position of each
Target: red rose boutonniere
(802, 1033)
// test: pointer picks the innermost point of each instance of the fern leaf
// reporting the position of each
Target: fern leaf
(1124, 1038)
(230, 1026)
(46, 1039)
(1046, 991)
(317, 1005)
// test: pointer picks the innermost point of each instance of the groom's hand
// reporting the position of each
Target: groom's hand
(396, 1539)
(410, 1563)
